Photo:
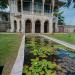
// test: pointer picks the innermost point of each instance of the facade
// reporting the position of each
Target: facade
(60, 28)
(32, 16)
(66, 28)
(69, 28)
(4, 22)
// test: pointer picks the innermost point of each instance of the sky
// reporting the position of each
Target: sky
(69, 15)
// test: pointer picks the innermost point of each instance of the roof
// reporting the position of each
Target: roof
(69, 26)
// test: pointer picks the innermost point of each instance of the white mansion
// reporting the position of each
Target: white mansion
(32, 16)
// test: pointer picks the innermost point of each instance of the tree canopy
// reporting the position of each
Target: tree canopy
(69, 3)
(3, 4)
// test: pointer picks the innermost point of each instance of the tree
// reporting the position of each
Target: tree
(3, 4)
(69, 3)
(60, 17)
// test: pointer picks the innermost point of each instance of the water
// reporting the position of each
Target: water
(66, 53)
(66, 57)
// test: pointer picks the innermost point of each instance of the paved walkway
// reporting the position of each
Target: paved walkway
(18, 66)
(59, 41)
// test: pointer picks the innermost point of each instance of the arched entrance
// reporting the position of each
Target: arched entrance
(53, 27)
(28, 26)
(20, 27)
(37, 26)
(15, 26)
(46, 27)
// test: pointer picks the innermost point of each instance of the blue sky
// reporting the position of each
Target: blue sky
(69, 14)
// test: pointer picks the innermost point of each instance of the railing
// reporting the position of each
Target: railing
(36, 13)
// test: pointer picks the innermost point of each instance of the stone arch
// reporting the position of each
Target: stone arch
(28, 26)
(37, 26)
(15, 26)
(20, 26)
(46, 26)
(54, 28)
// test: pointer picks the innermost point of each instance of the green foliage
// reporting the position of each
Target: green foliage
(37, 66)
(3, 4)
(40, 67)
(43, 51)
(60, 17)
(69, 2)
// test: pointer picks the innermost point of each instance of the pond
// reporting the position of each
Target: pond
(43, 57)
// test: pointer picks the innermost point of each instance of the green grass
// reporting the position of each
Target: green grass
(9, 45)
(68, 37)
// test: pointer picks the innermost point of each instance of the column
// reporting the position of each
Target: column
(21, 6)
(43, 6)
(23, 25)
(56, 24)
(42, 26)
(51, 25)
(12, 26)
(33, 26)
(32, 6)
(12, 23)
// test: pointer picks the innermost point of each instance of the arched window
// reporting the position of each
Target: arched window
(53, 27)
(20, 26)
(15, 26)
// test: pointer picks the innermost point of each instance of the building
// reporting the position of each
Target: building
(69, 28)
(4, 22)
(60, 28)
(32, 16)
(66, 28)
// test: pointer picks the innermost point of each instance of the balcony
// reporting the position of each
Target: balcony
(37, 8)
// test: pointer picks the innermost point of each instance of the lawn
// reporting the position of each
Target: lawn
(9, 45)
(67, 37)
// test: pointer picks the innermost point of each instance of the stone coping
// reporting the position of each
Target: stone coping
(18, 66)
(59, 41)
